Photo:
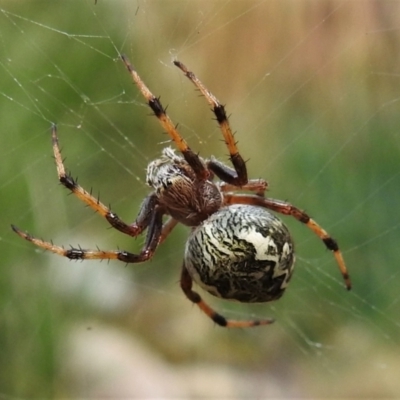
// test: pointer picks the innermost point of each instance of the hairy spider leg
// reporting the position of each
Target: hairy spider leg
(149, 217)
(159, 111)
(240, 177)
(66, 180)
(288, 209)
(186, 285)
(227, 174)
(151, 243)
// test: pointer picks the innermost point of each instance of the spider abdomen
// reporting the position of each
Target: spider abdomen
(241, 252)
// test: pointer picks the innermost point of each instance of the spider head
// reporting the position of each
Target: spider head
(183, 196)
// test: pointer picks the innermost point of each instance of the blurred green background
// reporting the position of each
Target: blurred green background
(313, 90)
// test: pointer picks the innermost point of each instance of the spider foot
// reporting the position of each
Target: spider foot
(231, 323)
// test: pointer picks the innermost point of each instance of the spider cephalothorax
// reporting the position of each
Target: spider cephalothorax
(183, 196)
(236, 250)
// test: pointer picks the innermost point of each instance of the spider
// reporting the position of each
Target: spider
(236, 250)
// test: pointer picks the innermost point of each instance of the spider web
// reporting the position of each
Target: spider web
(313, 92)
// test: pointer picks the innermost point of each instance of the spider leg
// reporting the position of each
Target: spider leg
(159, 111)
(66, 180)
(288, 209)
(259, 186)
(239, 178)
(186, 285)
(167, 228)
(227, 174)
(152, 241)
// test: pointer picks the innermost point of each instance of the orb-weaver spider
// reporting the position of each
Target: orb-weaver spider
(236, 249)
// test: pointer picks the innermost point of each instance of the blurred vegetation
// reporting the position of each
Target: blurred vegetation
(313, 89)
